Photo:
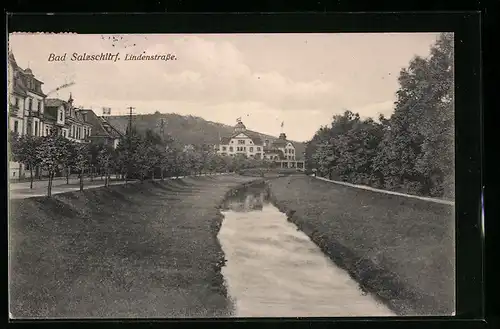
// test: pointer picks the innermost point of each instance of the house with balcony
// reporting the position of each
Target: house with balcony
(26, 106)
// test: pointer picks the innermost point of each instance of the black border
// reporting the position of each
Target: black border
(465, 25)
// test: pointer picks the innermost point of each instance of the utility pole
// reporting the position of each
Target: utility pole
(162, 128)
(129, 165)
(130, 119)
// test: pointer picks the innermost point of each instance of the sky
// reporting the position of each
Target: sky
(301, 80)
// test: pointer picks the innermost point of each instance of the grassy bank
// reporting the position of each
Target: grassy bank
(398, 248)
(137, 250)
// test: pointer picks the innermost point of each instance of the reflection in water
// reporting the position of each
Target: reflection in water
(274, 270)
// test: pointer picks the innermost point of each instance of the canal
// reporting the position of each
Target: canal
(274, 270)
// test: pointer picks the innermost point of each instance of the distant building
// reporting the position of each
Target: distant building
(242, 142)
(281, 151)
(102, 131)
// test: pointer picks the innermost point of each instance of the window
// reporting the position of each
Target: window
(16, 126)
(251, 149)
(230, 148)
(39, 105)
(60, 115)
(258, 149)
(232, 142)
(241, 141)
(16, 101)
(64, 133)
(46, 131)
(30, 104)
(223, 148)
(36, 128)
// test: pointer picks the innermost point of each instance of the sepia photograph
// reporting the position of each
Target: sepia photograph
(231, 175)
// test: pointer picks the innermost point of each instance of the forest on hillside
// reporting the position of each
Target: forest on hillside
(410, 152)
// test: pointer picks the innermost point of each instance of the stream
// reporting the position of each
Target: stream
(274, 270)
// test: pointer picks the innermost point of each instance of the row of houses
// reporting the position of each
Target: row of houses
(32, 112)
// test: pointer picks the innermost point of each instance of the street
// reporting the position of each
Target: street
(22, 190)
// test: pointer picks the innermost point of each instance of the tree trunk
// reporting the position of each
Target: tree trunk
(91, 173)
(162, 177)
(106, 181)
(31, 177)
(126, 178)
(49, 186)
(81, 180)
(67, 175)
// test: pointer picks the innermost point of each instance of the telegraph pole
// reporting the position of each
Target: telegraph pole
(130, 108)
(130, 119)
(162, 129)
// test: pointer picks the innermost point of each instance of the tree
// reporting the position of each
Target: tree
(105, 160)
(51, 153)
(82, 160)
(23, 150)
(68, 156)
(416, 153)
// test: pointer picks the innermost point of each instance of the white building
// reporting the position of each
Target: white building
(242, 142)
(280, 151)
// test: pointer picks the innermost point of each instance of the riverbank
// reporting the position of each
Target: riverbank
(136, 250)
(400, 249)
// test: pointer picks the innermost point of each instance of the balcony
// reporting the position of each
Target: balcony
(14, 110)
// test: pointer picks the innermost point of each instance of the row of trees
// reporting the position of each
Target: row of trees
(137, 156)
(413, 150)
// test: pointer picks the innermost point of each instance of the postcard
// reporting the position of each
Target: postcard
(231, 175)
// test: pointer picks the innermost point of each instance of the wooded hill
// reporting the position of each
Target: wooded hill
(186, 129)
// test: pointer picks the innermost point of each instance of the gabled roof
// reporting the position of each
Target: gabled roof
(256, 139)
(54, 102)
(100, 126)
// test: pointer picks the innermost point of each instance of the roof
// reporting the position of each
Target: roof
(20, 86)
(54, 102)
(255, 137)
(100, 126)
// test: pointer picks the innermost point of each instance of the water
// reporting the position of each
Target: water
(275, 270)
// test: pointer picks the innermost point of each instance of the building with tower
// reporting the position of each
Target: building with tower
(242, 142)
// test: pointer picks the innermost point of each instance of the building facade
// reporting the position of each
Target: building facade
(26, 106)
(280, 152)
(62, 118)
(241, 142)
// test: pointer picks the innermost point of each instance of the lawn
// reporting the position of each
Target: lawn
(400, 249)
(136, 250)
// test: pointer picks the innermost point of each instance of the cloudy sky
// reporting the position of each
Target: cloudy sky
(299, 79)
